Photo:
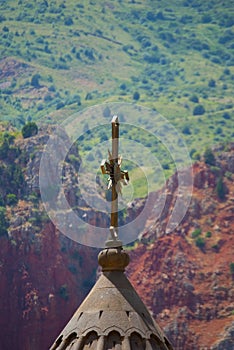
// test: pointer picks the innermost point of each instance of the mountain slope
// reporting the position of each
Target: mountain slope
(174, 56)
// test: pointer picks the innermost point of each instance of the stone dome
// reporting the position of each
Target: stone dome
(112, 317)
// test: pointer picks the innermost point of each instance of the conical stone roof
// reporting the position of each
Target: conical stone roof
(112, 317)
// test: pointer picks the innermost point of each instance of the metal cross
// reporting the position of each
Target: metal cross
(117, 177)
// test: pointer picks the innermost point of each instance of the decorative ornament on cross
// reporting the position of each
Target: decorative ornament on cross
(117, 178)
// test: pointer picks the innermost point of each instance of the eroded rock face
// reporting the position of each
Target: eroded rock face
(43, 279)
(44, 275)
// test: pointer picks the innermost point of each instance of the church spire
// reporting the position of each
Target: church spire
(113, 315)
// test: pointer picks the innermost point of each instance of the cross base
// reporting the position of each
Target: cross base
(113, 243)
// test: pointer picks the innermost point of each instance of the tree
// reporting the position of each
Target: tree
(220, 189)
(206, 18)
(11, 199)
(4, 224)
(106, 112)
(29, 129)
(212, 83)
(232, 268)
(136, 96)
(4, 149)
(68, 21)
(200, 243)
(209, 157)
(194, 99)
(35, 81)
(198, 110)
(226, 115)
(186, 130)
(63, 292)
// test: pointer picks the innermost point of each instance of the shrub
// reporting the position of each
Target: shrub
(186, 130)
(72, 269)
(123, 86)
(231, 266)
(226, 71)
(151, 16)
(106, 112)
(228, 175)
(2, 18)
(208, 234)
(4, 149)
(198, 110)
(4, 224)
(11, 199)
(89, 53)
(60, 105)
(209, 157)
(5, 29)
(68, 21)
(206, 18)
(196, 156)
(196, 233)
(215, 170)
(226, 115)
(211, 83)
(52, 88)
(200, 243)
(29, 129)
(35, 81)
(136, 96)
(218, 131)
(194, 98)
(220, 189)
(1, 201)
(88, 96)
(215, 247)
(63, 292)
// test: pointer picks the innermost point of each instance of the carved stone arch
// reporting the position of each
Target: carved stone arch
(137, 342)
(90, 341)
(62, 344)
(114, 341)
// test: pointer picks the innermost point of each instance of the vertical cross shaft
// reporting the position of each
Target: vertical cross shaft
(115, 151)
(117, 178)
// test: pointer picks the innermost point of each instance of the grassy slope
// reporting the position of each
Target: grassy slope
(167, 51)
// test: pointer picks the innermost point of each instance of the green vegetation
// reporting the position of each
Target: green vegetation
(11, 199)
(3, 222)
(196, 233)
(208, 234)
(209, 157)
(199, 240)
(231, 266)
(220, 189)
(215, 247)
(176, 58)
(200, 243)
(35, 81)
(198, 110)
(29, 129)
(10, 170)
(63, 292)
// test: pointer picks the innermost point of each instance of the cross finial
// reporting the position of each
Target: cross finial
(117, 177)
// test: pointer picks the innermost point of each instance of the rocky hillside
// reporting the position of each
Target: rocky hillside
(44, 275)
(186, 278)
